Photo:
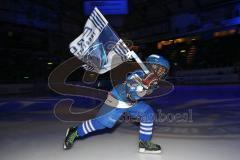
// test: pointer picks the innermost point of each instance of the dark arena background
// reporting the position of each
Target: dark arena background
(199, 119)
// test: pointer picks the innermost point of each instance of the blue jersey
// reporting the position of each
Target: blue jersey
(131, 89)
(129, 93)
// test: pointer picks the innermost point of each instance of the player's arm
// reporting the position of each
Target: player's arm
(146, 81)
(137, 85)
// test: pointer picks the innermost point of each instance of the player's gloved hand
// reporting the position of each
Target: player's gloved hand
(139, 80)
(151, 80)
(135, 93)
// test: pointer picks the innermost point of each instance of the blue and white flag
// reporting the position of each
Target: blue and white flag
(98, 46)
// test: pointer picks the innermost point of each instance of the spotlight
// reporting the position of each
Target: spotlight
(183, 51)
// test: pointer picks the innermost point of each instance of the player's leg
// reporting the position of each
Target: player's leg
(145, 114)
(106, 118)
(81, 130)
(102, 121)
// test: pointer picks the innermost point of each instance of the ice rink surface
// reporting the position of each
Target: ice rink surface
(30, 131)
(38, 141)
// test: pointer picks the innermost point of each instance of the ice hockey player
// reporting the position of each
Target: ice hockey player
(126, 97)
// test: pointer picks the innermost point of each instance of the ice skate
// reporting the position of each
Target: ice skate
(71, 136)
(149, 147)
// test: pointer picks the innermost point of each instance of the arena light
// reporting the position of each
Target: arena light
(180, 40)
(183, 51)
(224, 33)
(174, 41)
(166, 43)
(50, 63)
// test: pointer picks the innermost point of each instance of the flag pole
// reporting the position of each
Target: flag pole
(139, 61)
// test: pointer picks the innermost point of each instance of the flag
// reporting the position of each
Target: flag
(99, 47)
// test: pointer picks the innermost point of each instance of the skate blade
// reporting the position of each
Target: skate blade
(67, 132)
(142, 150)
(64, 146)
